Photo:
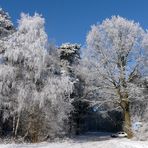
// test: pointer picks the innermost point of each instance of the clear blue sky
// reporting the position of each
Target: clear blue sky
(70, 20)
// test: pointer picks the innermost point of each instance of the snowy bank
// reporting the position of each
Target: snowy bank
(113, 143)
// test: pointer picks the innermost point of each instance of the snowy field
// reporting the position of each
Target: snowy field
(86, 141)
(114, 143)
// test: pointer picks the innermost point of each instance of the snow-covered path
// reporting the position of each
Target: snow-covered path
(113, 143)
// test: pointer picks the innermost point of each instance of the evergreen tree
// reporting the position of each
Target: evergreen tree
(70, 57)
(6, 26)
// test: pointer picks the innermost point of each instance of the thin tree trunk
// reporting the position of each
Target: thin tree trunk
(14, 120)
(17, 125)
(34, 122)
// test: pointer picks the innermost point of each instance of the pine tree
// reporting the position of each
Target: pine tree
(6, 26)
(70, 57)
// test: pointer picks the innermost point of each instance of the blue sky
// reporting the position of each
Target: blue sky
(70, 20)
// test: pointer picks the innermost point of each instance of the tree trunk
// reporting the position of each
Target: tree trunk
(17, 125)
(127, 127)
(14, 122)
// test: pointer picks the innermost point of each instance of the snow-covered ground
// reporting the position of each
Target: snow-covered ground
(112, 143)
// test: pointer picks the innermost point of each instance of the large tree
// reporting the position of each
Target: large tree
(115, 59)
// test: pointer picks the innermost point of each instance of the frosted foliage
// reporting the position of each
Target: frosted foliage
(6, 26)
(28, 44)
(57, 92)
(68, 48)
(32, 89)
(54, 92)
(7, 84)
(123, 35)
(115, 56)
(56, 88)
(5, 19)
(145, 45)
(27, 47)
(69, 55)
(6, 72)
(142, 132)
(6, 29)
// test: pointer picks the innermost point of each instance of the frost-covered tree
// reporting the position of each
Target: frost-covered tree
(6, 29)
(115, 57)
(28, 45)
(6, 26)
(70, 56)
(38, 96)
